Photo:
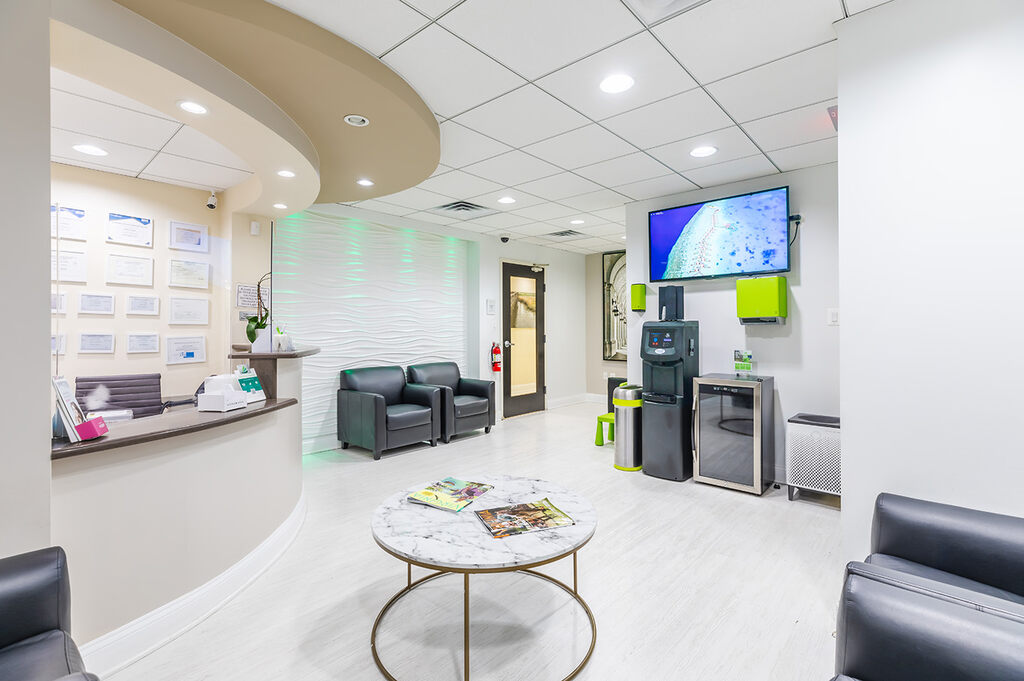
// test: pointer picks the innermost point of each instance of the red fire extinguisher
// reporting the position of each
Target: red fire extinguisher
(495, 357)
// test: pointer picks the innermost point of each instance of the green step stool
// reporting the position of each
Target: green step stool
(608, 418)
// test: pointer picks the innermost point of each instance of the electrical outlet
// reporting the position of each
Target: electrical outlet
(832, 316)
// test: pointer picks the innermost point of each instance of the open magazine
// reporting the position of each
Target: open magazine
(451, 494)
(507, 521)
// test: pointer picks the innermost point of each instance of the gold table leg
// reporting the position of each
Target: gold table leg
(465, 627)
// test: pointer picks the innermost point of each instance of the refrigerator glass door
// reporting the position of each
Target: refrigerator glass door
(726, 434)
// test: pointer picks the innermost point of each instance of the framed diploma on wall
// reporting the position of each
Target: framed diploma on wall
(189, 311)
(141, 343)
(129, 269)
(189, 237)
(144, 305)
(96, 303)
(68, 223)
(128, 230)
(95, 343)
(67, 266)
(188, 274)
(186, 349)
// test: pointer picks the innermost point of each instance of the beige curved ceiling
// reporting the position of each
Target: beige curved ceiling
(317, 78)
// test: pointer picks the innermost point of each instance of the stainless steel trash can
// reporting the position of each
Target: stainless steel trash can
(627, 400)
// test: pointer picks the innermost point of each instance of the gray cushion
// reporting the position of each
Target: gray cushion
(386, 381)
(435, 373)
(44, 657)
(467, 405)
(401, 416)
(909, 567)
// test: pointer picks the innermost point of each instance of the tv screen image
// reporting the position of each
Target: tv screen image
(739, 235)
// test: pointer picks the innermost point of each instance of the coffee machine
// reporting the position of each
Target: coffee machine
(670, 350)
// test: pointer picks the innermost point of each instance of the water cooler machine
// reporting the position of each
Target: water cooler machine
(671, 356)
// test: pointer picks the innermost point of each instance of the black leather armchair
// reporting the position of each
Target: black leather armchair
(466, 403)
(35, 619)
(378, 410)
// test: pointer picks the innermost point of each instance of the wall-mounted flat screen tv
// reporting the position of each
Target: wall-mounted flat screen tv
(734, 236)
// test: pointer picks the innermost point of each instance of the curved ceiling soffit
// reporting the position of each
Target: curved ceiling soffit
(109, 45)
(317, 78)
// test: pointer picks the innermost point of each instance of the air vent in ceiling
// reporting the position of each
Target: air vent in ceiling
(463, 210)
(566, 233)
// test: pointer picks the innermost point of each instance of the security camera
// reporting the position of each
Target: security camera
(505, 238)
(211, 202)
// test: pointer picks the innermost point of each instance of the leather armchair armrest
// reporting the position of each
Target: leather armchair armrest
(362, 419)
(480, 388)
(985, 547)
(35, 594)
(428, 396)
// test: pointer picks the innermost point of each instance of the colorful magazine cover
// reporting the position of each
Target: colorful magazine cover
(451, 494)
(507, 521)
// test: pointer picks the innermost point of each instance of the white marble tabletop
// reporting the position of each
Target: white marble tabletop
(446, 539)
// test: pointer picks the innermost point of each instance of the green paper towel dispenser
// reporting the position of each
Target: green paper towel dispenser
(761, 300)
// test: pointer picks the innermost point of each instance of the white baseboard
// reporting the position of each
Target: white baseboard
(140, 637)
(597, 398)
(320, 443)
(556, 402)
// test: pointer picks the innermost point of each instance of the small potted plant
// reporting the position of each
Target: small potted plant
(256, 330)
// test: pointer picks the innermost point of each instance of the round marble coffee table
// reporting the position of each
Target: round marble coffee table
(458, 543)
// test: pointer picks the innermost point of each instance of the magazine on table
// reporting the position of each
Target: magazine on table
(507, 521)
(450, 494)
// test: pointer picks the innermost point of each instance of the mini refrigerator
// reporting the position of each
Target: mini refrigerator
(734, 431)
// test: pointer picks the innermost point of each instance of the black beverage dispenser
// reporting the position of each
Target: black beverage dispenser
(671, 355)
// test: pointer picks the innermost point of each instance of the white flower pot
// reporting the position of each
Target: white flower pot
(264, 340)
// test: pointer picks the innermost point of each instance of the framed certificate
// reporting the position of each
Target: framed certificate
(68, 223)
(129, 269)
(58, 303)
(95, 303)
(188, 274)
(189, 311)
(140, 343)
(144, 305)
(186, 349)
(67, 266)
(58, 344)
(96, 343)
(132, 231)
(189, 237)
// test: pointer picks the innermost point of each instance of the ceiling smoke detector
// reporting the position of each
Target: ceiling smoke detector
(357, 121)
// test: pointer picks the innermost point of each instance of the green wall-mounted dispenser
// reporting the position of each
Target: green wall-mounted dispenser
(761, 300)
(638, 297)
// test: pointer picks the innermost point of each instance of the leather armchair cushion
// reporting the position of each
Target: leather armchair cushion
(467, 405)
(45, 657)
(35, 595)
(386, 381)
(436, 373)
(401, 416)
(903, 565)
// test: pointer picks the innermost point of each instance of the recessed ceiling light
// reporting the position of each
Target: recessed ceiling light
(702, 152)
(192, 107)
(285, 173)
(623, 236)
(506, 199)
(90, 149)
(280, 206)
(575, 222)
(364, 182)
(357, 121)
(616, 83)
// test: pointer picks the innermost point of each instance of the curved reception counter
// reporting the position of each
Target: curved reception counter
(167, 517)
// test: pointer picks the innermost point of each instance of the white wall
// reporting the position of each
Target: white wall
(24, 275)
(932, 228)
(803, 353)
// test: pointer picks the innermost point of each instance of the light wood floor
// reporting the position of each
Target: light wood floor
(686, 581)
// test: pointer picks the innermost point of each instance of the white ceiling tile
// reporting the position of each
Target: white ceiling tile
(606, 230)
(522, 200)
(374, 26)
(195, 172)
(501, 220)
(533, 229)
(106, 121)
(559, 186)
(658, 186)
(417, 198)
(458, 184)
(175, 181)
(450, 75)
(120, 156)
(806, 155)
(574, 221)
(431, 217)
(461, 146)
(470, 227)
(855, 6)
(512, 168)
(616, 214)
(807, 124)
(796, 81)
(629, 168)
(538, 240)
(732, 171)
(384, 207)
(592, 243)
(66, 82)
(534, 37)
(730, 142)
(191, 143)
(545, 211)
(724, 37)
(93, 166)
(599, 200)
(655, 72)
(440, 170)
(691, 113)
(522, 116)
(581, 147)
(432, 8)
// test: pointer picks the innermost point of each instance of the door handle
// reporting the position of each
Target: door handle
(693, 427)
(509, 344)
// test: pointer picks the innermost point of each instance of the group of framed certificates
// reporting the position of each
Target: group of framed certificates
(178, 349)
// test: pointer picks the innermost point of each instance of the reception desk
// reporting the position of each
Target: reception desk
(166, 517)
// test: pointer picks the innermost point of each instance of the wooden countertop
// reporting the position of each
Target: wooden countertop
(173, 422)
(241, 351)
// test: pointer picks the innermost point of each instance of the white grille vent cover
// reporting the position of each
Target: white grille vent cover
(464, 210)
(566, 234)
(813, 459)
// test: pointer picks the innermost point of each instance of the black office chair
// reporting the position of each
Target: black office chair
(139, 392)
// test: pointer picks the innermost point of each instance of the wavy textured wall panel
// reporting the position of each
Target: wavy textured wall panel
(367, 294)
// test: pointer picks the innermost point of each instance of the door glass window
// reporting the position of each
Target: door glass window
(523, 326)
(727, 434)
